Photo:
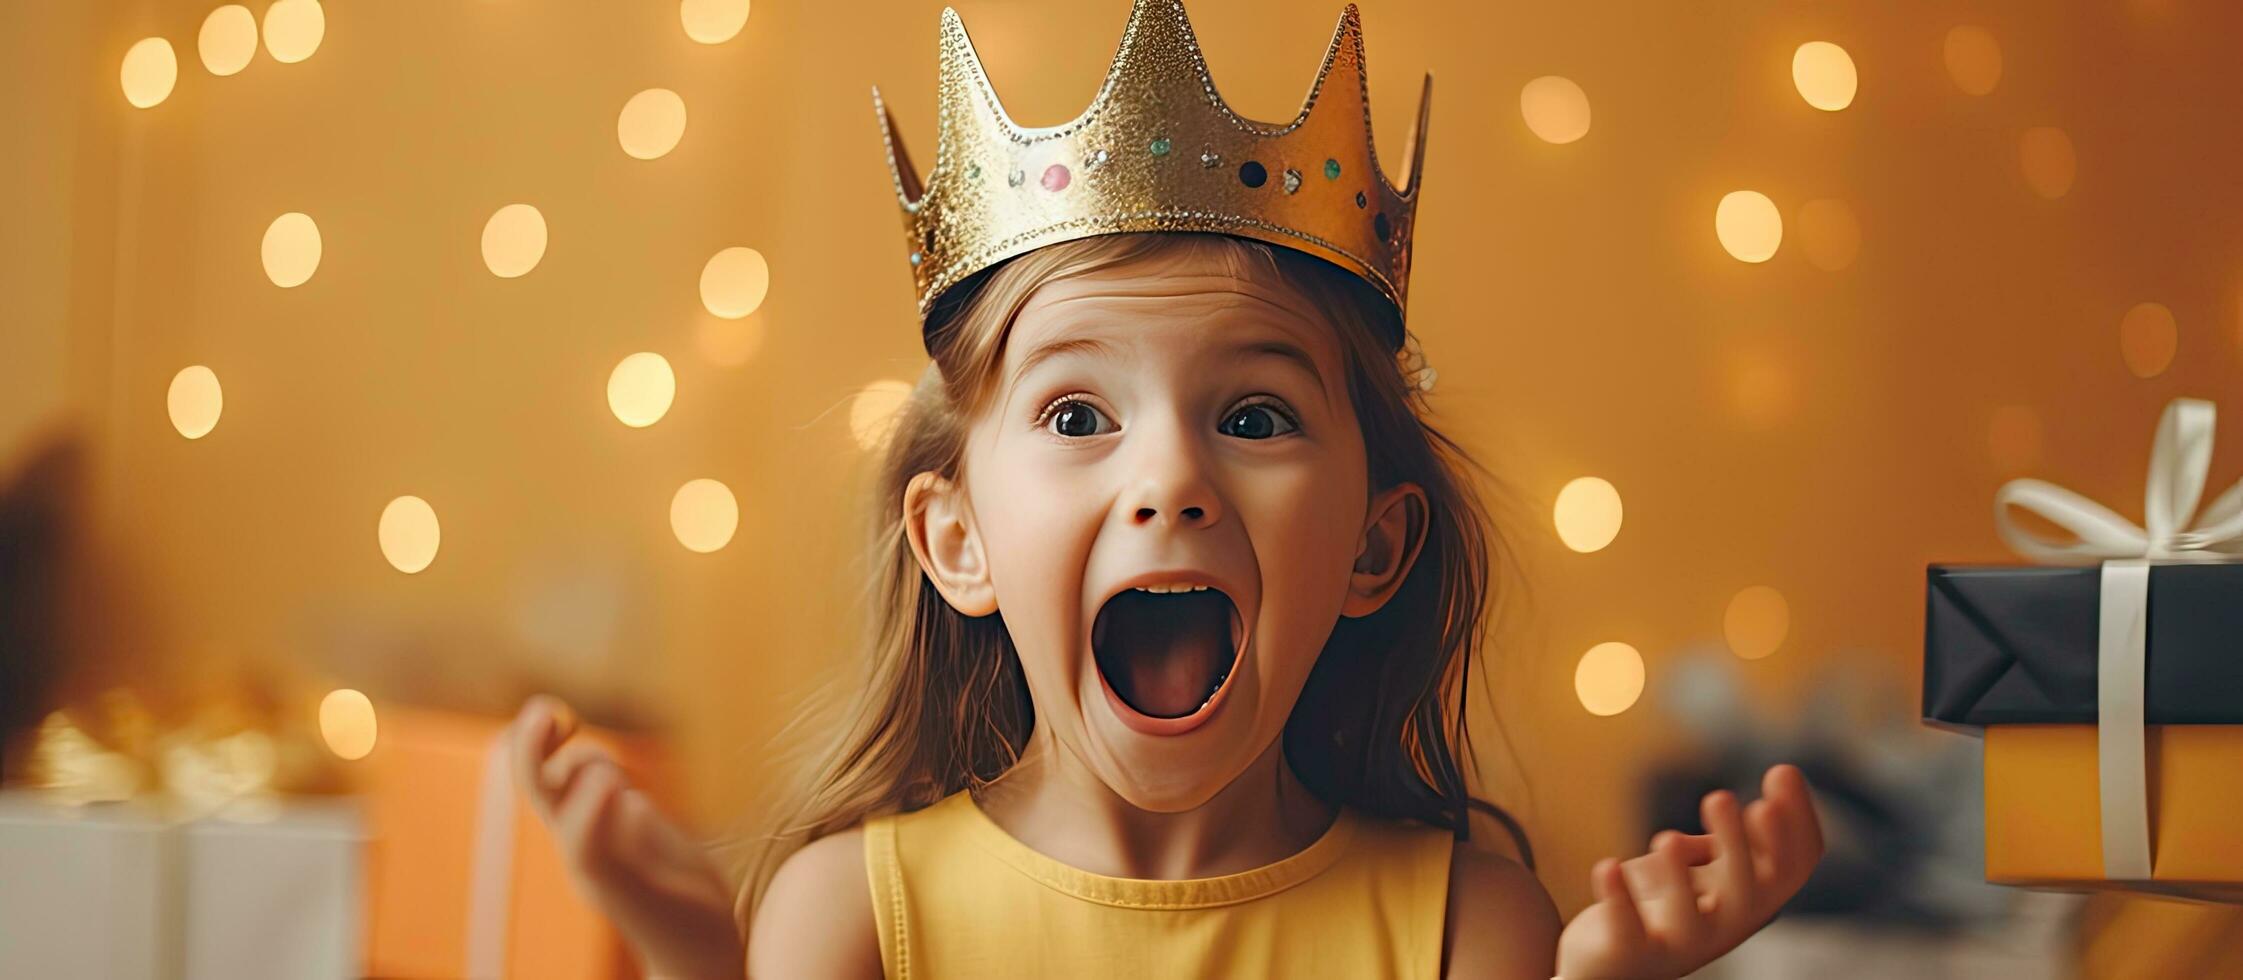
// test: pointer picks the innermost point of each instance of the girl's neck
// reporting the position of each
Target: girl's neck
(1054, 804)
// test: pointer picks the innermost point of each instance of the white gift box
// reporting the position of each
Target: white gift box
(117, 890)
(276, 898)
(84, 890)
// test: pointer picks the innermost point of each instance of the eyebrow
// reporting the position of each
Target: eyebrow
(1095, 347)
(1285, 349)
(1076, 345)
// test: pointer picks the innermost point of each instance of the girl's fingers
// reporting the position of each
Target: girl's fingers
(1765, 837)
(564, 767)
(533, 735)
(1661, 883)
(539, 735)
(1788, 786)
(1696, 849)
(581, 820)
(1610, 886)
(1736, 905)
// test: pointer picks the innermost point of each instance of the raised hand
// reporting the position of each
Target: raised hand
(641, 871)
(1694, 897)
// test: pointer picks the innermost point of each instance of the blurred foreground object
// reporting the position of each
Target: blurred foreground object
(1898, 891)
(125, 891)
(2110, 696)
(39, 522)
(463, 880)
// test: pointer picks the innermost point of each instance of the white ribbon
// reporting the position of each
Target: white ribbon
(490, 888)
(2179, 461)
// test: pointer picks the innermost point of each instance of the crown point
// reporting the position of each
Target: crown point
(1416, 153)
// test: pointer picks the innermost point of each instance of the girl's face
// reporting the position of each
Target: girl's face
(1167, 499)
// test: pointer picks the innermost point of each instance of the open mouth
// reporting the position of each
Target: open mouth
(1166, 654)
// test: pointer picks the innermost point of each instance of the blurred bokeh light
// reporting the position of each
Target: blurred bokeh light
(149, 71)
(195, 401)
(1756, 621)
(1609, 678)
(2044, 154)
(734, 282)
(514, 241)
(640, 389)
(409, 534)
(293, 29)
(2147, 339)
(872, 412)
(1749, 226)
(291, 250)
(1974, 59)
(1824, 75)
(713, 21)
(1587, 513)
(703, 515)
(1555, 109)
(1829, 236)
(346, 723)
(228, 41)
(651, 123)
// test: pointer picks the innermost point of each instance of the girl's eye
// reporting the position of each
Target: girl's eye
(1073, 419)
(1258, 420)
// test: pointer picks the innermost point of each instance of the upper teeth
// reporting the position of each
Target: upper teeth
(1172, 587)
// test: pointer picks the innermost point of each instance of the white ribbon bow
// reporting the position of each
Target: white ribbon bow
(2179, 462)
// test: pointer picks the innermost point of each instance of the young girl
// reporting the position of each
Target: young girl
(1176, 592)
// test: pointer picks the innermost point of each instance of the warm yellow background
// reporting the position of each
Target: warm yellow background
(1824, 433)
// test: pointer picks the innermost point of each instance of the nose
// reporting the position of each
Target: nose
(1169, 482)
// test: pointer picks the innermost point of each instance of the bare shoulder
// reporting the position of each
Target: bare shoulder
(1500, 922)
(816, 918)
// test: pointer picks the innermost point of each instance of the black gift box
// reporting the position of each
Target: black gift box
(2006, 645)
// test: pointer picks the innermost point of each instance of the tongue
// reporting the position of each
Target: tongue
(1164, 654)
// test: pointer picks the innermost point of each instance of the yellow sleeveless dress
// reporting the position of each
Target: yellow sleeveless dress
(954, 895)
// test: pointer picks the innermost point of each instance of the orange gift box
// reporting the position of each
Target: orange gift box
(427, 786)
(2044, 822)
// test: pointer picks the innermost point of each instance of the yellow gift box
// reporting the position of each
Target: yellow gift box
(2044, 823)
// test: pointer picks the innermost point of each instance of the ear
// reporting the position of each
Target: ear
(939, 522)
(1393, 530)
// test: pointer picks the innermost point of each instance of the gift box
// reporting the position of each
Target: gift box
(84, 891)
(128, 890)
(2043, 826)
(273, 894)
(2018, 645)
(463, 880)
(2110, 696)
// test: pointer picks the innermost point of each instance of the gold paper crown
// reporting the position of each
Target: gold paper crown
(1157, 150)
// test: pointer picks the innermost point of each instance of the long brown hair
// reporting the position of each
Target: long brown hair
(943, 705)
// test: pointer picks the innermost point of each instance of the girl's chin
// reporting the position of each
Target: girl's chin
(1168, 765)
